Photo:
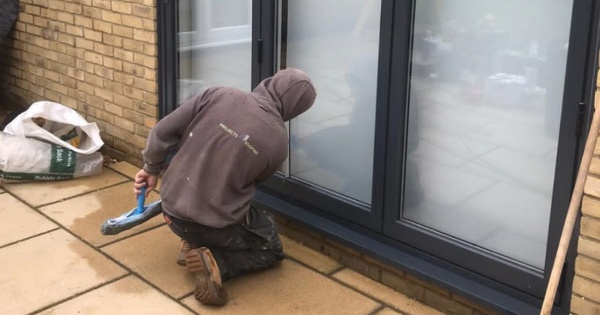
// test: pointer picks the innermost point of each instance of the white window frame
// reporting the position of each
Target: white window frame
(204, 35)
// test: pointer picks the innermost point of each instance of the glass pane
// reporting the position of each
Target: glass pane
(185, 15)
(229, 13)
(336, 43)
(212, 58)
(485, 102)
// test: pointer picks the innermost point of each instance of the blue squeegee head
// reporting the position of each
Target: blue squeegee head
(131, 219)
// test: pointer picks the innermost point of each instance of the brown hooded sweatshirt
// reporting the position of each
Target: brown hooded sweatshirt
(227, 141)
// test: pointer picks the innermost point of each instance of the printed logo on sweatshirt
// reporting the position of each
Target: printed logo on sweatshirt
(243, 138)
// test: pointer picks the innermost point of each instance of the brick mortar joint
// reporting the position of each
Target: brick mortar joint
(595, 218)
(587, 238)
(589, 258)
(595, 198)
(592, 218)
(588, 280)
(575, 295)
(595, 176)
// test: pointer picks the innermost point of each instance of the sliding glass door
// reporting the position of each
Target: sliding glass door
(487, 122)
(334, 162)
(449, 127)
(486, 86)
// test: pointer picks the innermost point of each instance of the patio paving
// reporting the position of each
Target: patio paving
(55, 261)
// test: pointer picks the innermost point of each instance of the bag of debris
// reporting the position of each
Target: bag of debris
(57, 124)
(34, 160)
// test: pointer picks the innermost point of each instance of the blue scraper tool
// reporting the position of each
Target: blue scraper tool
(141, 199)
(134, 217)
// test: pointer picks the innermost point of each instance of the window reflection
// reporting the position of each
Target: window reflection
(214, 45)
(486, 85)
(336, 43)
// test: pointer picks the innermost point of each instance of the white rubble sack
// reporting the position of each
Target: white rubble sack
(31, 159)
(58, 124)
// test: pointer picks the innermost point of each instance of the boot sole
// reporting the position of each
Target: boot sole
(183, 252)
(193, 262)
(181, 259)
(203, 266)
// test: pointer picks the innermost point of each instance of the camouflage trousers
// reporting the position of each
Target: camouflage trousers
(249, 246)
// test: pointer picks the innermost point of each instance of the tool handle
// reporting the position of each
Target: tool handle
(141, 199)
(572, 214)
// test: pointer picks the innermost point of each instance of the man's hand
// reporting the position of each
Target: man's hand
(144, 179)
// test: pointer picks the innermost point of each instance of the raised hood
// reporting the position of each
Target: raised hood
(289, 93)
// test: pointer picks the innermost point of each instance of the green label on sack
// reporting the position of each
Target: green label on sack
(34, 176)
(62, 160)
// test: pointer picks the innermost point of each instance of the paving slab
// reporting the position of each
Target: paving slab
(388, 311)
(49, 268)
(308, 256)
(19, 221)
(152, 256)
(394, 299)
(288, 289)
(85, 214)
(129, 295)
(42, 193)
(125, 168)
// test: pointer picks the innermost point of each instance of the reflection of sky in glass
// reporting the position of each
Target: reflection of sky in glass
(485, 99)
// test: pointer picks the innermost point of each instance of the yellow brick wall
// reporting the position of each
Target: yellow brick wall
(96, 56)
(586, 285)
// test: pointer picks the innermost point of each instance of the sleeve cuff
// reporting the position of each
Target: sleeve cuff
(152, 169)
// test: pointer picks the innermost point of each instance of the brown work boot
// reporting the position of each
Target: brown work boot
(185, 247)
(209, 289)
